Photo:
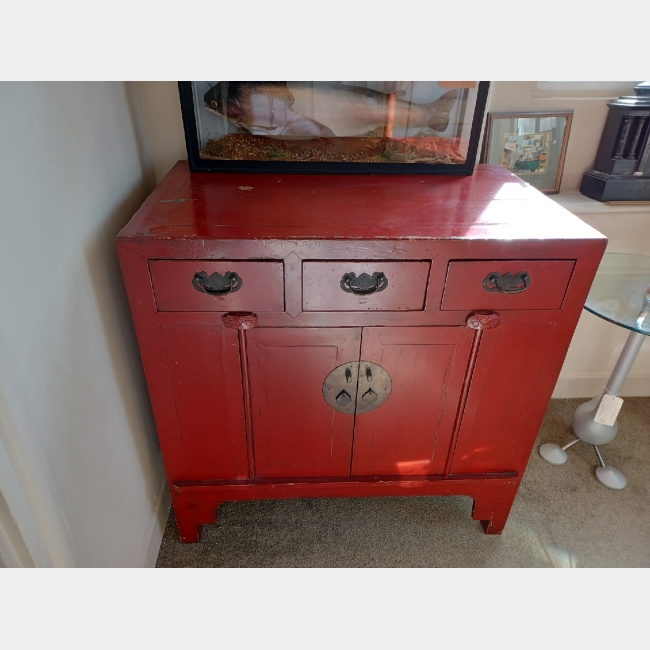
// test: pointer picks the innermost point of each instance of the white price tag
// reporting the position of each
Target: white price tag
(608, 410)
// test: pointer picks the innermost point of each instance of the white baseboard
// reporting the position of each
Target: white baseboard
(636, 385)
(161, 513)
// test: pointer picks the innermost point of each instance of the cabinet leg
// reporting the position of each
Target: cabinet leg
(496, 522)
(493, 528)
(188, 530)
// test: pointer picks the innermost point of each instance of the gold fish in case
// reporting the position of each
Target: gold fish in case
(333, 126)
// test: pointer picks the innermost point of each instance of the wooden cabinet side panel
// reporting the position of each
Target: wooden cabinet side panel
(205, 372)
(411, 432)
(507, 372)
(295, 432)
(581, 281)
(135, 270)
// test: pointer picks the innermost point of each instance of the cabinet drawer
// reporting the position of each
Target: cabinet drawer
(386, 286)
(257, 286)
(506, 284)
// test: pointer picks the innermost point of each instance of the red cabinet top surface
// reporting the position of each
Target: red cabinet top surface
(491, 204)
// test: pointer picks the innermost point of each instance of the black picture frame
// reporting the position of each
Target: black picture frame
(198, 164)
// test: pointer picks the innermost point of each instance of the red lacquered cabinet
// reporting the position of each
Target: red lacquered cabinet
(332, 336)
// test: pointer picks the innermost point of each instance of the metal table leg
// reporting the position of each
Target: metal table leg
(587, 430)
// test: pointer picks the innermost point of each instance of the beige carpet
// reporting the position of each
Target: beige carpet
(562, 517)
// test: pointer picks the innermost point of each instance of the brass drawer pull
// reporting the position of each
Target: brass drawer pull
(217, 284)
(507, 283)
(364, 284)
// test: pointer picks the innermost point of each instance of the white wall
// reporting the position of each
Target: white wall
(80, 467)
(585, 371)
(164, 122)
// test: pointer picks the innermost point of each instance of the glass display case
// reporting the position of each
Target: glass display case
(420, 127)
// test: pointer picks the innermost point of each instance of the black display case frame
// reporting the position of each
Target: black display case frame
(198, 164)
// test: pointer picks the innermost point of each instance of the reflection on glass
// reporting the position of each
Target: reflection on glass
(337, 121)
(621, 291)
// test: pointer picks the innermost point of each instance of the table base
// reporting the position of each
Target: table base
(594, 433)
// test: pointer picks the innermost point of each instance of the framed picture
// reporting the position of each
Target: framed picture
(531, 145)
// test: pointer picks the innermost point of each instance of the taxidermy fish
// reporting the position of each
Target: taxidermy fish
(318, 109)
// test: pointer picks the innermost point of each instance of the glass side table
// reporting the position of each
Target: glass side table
(620, 294)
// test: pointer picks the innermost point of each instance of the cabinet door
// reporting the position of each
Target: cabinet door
(205, 373)
(295, 432)
(504, 382)
(411, 432)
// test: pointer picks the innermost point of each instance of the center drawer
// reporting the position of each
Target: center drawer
(365, 286)
(200, 285)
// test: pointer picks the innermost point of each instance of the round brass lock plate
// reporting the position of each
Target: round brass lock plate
(374, 387)
(340, 387)
(358, 387)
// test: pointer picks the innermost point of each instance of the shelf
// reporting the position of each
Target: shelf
(579, 204)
